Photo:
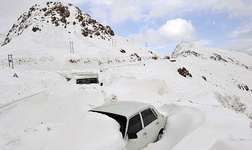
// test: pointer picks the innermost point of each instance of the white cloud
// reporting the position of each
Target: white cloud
(116, 11)
(249, 51)
(235, 8)
(177, 30)
(149, 36)
(241, 45)
(113, 11)
(172, 31)
(244, 31)
(121, 10)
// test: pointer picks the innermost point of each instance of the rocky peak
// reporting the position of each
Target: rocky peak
(60, 15)
(185, 49)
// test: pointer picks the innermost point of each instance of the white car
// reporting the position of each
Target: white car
(140, 123)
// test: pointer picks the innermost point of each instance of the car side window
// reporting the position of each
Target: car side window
(148, 116)
(135, 124)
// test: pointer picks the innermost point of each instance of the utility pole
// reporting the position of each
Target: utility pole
(10, 61)
(71, 47)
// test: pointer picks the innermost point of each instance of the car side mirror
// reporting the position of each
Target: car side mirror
(132, 135)
(101, 84)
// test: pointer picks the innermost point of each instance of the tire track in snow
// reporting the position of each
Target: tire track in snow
(15, 102)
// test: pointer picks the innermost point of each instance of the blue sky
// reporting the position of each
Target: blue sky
(162, 24)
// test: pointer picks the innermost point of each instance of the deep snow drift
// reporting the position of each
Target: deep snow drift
(208, 102)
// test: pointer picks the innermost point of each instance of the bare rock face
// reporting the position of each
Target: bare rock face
(184, 72)
(60, 15)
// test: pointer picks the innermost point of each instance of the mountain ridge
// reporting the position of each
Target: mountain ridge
(57, 32)
(61, 15)
(187, 49)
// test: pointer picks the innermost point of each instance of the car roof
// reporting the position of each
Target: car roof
(124, 108)
(84, 75)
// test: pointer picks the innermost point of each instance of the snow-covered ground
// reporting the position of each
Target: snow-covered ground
(52, 113)
(41, 110)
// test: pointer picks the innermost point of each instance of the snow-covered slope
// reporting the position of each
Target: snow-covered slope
(205, 92)
(227, 73)
(185, 49)
(2, 36)
(58, 14)
(59, 33)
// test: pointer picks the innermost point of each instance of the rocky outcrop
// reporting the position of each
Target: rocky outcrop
(184, 72)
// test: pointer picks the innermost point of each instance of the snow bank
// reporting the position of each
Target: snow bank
(181, 122)
(232, 144)
(144, 90)
(59, 119)
(92, 131)
(203, 127)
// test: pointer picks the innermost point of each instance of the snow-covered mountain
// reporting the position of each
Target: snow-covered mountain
(226, 71)
(185, 49)
(56, 30)
(62, 15)
(206, 92)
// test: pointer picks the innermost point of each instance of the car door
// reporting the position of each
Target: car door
(136, 133)
(151, 125)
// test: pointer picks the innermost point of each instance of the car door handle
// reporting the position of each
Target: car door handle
(144, 134)
(157, 123)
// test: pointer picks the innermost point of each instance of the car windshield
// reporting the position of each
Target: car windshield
(122, 120)
(87, 81)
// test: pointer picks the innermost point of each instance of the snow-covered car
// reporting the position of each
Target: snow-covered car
(140, 123)
(86, 78)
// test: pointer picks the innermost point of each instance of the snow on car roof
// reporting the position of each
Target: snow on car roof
(125, 108)
(81, 75)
